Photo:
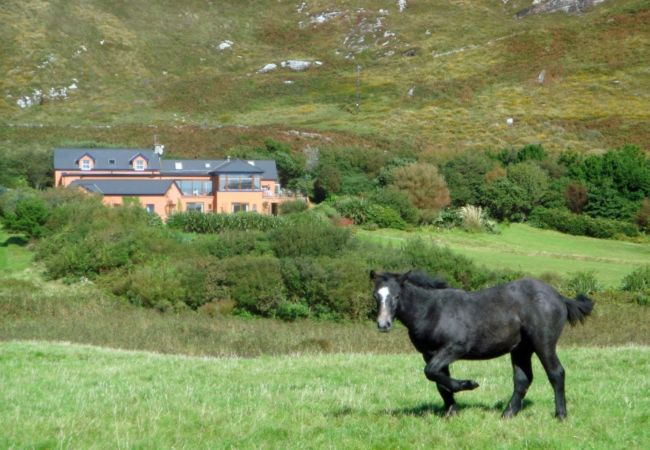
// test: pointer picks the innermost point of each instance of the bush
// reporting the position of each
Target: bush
(294, 206)
(308, 235)
(397, 200)
(424, 185)
(582, 283)
(506, 200)
(29, 217)
(198, 222)
(156, 284)
(638, 280)
(642, 217)
(385, 217)
(233, 243)
(457, 269)
(580, 225)
(254, 283)
(353, 208)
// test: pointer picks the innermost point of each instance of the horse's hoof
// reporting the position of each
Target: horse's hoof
(560, 416)
(508, 414)
(451, 411)
(469, 385)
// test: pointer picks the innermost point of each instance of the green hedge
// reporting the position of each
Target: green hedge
(580, 225)
(198, 222)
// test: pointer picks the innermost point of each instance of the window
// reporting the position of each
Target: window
(195, 207)
(178, 165)
(195, 187)
(111, 162)
(139, 164)
(151, 208)
(239, 183)
(239, 207)
(85, 164)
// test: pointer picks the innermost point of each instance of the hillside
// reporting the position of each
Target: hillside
(431, 76)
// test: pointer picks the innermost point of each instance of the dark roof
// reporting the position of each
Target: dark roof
(125, 187)
(216, 166)
(237, 166)
(67, 158)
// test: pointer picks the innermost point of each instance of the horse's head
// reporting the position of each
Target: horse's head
(386, 292)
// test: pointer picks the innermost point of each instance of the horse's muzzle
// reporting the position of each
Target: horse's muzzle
(384, 325)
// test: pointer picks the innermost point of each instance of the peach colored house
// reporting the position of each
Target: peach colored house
(165, 186)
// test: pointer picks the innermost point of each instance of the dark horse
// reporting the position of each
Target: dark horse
(521, 318)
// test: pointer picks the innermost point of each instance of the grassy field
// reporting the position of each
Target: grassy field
(71, 396)
(535, 251)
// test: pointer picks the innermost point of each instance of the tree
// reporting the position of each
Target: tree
(532, 179)
(424, 185)
(466, 177)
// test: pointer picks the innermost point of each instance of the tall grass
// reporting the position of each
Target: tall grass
(83, 314)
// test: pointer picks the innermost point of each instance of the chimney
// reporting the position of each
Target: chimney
(158, 149)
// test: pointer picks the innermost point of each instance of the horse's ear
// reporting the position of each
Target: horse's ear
(404, 277)
(373, 275)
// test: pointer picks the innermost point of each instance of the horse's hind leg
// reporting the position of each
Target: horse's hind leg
(522, 377)
(555, 373)
(451, 408)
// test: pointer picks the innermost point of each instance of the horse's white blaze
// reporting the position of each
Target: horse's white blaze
(383, 292)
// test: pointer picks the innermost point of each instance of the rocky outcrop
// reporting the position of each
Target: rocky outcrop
(550, 6)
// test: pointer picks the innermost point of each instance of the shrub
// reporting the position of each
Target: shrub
(582, 283)
(353, 208)
(580, 225)
(424, 185)
(254, 283)
(457, 269)
(638, 280)
(576, 197)
(233, 243)
(532, 180)
(505, 200)
(385, 217)
(466, 176)
(294, 206)
(472, 217)
(308, 235)
(397, 200)
(642, 217)
(29, 217)
(198, 222)
(155, 284)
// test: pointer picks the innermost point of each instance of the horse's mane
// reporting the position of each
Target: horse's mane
(424, 280)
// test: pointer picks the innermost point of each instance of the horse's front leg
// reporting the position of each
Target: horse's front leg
(451, 408)
(437, 370)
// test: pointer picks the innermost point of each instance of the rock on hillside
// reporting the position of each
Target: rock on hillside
(550, 6)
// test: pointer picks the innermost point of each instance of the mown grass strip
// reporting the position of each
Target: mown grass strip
(535, 251)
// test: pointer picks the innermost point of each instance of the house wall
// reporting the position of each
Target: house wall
(220, 202)
(254, 199)
(164, 206)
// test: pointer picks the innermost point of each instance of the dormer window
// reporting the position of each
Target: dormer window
(178, 165)
(85, 164)
(139, 164)
(111, 162)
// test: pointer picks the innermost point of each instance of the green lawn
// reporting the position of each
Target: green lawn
(535, 251)
(14, 257)
(72, 396)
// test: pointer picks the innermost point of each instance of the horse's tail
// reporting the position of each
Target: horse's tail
(579, 308)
